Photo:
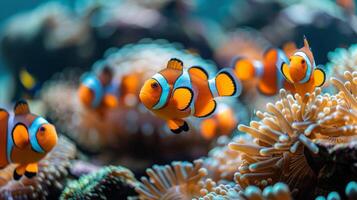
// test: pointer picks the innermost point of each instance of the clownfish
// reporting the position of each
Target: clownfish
(25, 139)
(270, 79)
(94, 90)
(129, 88)
(223, 122)
(175, 93)
(301, 71)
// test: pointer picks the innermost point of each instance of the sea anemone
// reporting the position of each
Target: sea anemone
(112, 182)
(342, 60)
(286, 136)
(222, 162)
(350, 193)
(180, 180)
(226, 192)
(53, 170)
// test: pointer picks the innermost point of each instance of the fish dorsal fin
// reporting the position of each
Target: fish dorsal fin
(306, 43)
(175, 63)
(198, 72)
(21, 108)
(307, 50)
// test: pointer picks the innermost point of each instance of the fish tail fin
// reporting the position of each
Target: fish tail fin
(246, 69)
(225, 84)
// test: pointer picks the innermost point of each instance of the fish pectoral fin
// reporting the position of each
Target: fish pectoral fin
(319, 77)
(198, 72)
(183, 97)
(21, 108)
(175, 63)
(206, 110)
(286, 73)
(20, 136)
(226, 83)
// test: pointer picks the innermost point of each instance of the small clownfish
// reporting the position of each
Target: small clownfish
(301, 71)
(223, 122)
(25, 139)
(94, 89)
(270, 79)
(175, 93)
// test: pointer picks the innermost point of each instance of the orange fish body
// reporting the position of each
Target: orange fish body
(25, 139)
(223, 122)
(176, 93)
(270, 80)
(302, 72)
(130, 88)
(93, 91)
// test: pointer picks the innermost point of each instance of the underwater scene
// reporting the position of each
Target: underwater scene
(178, 99)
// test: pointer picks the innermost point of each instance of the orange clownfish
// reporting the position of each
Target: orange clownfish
(94, 89)
(301, 71)
(270, 79)
(130, 88)
(175, 93)
(223, 122)
(25, 139)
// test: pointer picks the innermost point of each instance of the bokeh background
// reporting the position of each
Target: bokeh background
(214, 30)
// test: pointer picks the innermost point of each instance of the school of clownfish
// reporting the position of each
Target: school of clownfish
(173, 94)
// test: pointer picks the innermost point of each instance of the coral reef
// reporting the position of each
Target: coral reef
(286, 137)
(112, 182)
(53, 171)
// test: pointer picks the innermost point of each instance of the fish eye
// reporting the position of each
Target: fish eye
(42, 129)
(154, 85)
(302, 61)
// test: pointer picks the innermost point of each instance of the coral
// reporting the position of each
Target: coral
(286, 137)
(180, 180)
(112, 182)
(226, 192)
(53, 170)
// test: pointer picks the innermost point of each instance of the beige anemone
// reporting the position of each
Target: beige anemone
(180, 180)
(290, 127)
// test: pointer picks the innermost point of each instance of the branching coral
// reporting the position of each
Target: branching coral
(53, 170)
(180, 180)
(113, 182)
(289, 128)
